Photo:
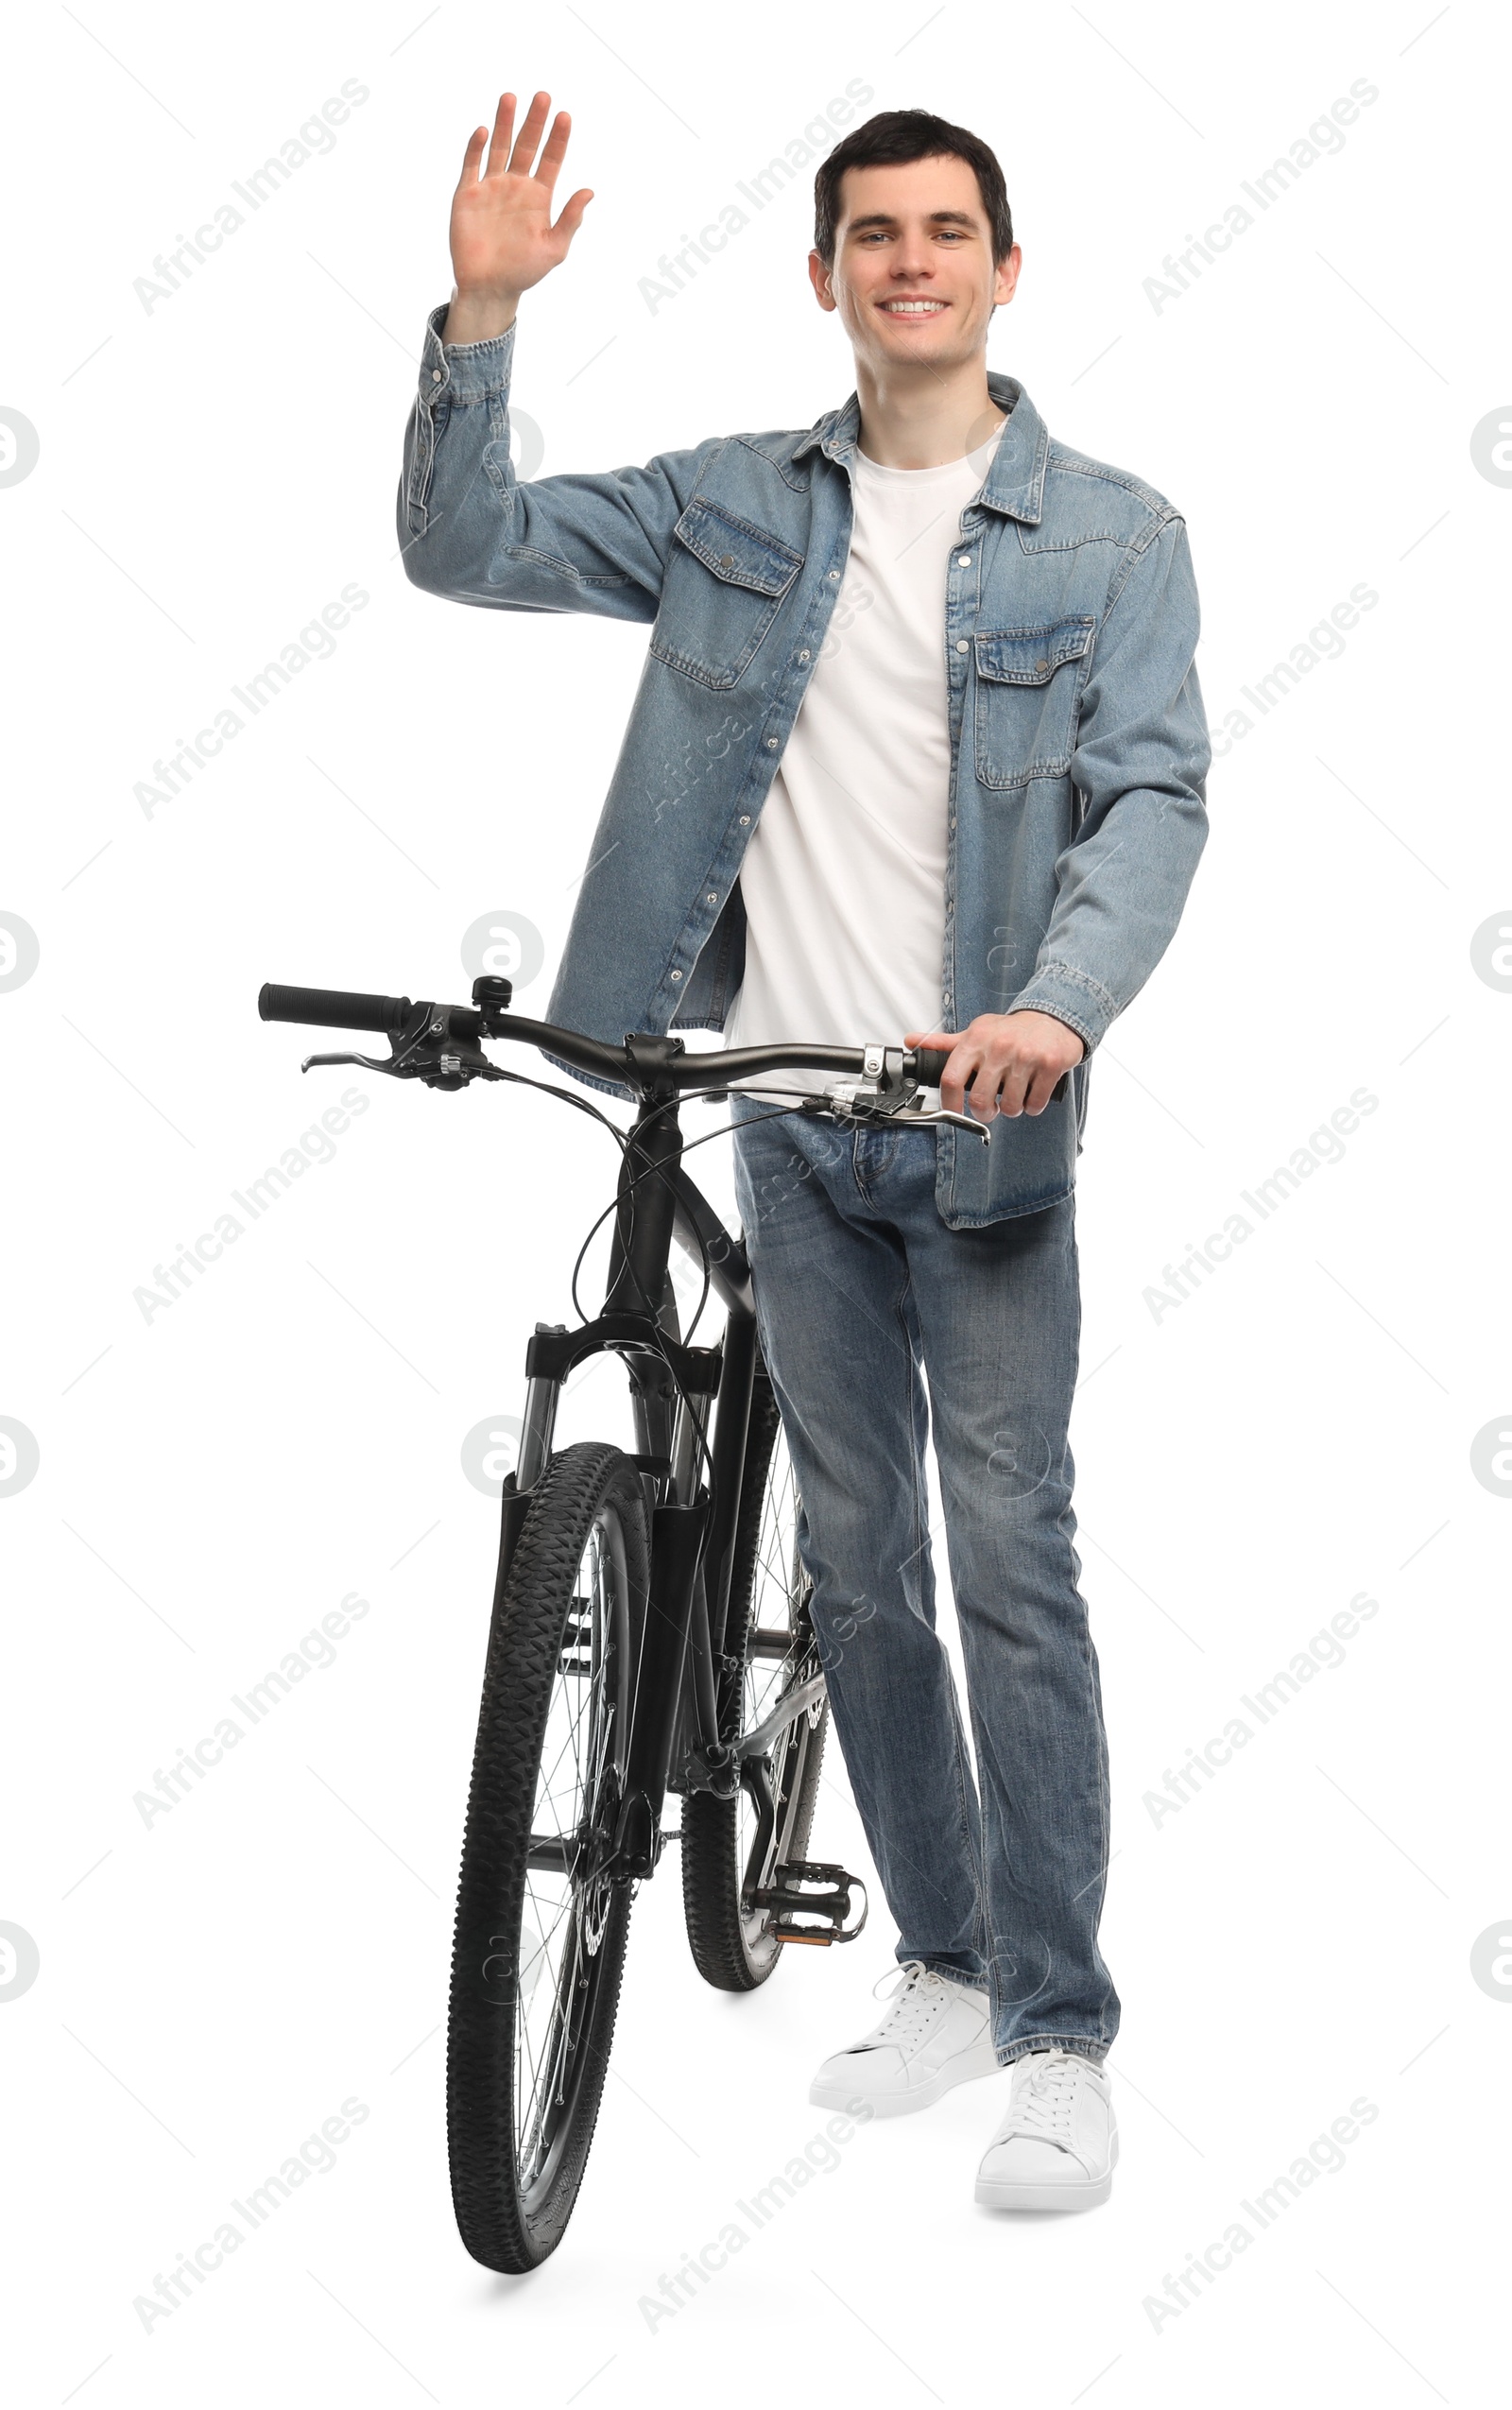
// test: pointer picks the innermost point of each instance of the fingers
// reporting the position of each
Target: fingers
(503, 128)
(473, 156)
(984, 1102)
(1028, 1086)
(993, 1085)
(964, 1066)
(1018, 1080)
(960, 1068)
(984, 1077)
(953, 1075)
(1041, 1088)
(523, 155)
(572, 216)
(556, 151)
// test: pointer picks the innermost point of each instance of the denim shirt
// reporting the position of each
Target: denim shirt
(1078, 741)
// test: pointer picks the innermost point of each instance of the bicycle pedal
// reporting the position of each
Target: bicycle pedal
(808, 1888)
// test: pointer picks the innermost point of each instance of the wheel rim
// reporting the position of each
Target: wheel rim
(567, 1906)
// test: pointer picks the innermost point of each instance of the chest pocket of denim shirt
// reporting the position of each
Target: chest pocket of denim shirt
(1029, 682)
(725, 581)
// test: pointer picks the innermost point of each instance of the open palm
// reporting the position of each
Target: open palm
(503, 237)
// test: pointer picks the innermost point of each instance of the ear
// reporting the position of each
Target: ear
(1007, 277)
(820, 278)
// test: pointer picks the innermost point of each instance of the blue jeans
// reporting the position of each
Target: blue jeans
(863, 1293)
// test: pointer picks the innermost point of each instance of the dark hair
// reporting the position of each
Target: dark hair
(894, 138)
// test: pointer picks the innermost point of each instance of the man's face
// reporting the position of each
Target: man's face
(913, 279)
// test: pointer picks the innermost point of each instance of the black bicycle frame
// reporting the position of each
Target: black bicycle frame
(693, 1522)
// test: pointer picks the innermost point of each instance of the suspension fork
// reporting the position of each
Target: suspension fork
(639, 1253)
(701, 1759)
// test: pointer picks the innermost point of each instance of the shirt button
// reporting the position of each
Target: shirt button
(953, 823)
(744, 820)
(771, 745)
(1042, 664)
(961, 644)
(676, 974)
(436, 376)
(805, 654)
(834, 576)
(965, 561)
(710, 899)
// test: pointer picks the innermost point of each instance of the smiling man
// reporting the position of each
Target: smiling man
(919, 756)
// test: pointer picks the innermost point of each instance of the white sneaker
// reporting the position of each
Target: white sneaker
(936, 2033)
(1057, 2146)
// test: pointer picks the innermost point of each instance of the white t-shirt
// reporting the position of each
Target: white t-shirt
(844, 878)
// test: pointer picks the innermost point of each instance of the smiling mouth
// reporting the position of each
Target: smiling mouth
(914, 308)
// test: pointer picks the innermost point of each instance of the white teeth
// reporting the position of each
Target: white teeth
(912, 309)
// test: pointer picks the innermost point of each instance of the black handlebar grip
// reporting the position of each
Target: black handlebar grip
(930, 1061)
(334, 1008)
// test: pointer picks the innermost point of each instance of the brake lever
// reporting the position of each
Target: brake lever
(428, 1048)
(903, 1117)
(912, 1118)
(368, 1062)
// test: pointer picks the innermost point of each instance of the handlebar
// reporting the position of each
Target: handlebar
(441, 1044)
(396, 1016)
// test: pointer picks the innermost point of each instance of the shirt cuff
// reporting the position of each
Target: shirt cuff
(1072, 996)
(463, 371)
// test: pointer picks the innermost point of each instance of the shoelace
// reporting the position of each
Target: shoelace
(915, 2003)
(1044, 2087)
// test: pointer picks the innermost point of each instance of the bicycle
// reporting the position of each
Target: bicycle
(650, 1630)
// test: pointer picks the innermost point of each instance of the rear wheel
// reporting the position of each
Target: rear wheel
(730, 1848)
(541, 1933)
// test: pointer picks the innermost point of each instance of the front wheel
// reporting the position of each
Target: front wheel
(540, 1932)
(732, 1848)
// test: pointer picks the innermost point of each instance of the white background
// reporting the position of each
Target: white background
(213, 470)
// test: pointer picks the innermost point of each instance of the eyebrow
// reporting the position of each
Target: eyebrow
(936, 217)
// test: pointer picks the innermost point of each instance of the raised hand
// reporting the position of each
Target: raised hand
(503, 236)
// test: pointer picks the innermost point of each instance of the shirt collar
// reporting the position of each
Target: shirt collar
(1015, 480)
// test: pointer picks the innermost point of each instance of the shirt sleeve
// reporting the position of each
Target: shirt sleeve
(1139, 766)
(472, 531)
